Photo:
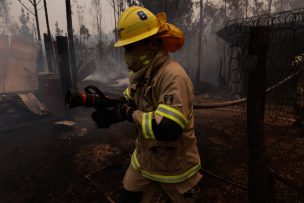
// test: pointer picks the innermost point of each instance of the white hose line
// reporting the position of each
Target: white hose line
(214, 105)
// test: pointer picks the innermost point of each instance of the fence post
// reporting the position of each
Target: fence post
(64, 63)
(48, 51)
(260, 188)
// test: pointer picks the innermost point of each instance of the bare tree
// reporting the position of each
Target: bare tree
(296, 4)
(176, 10)
(25, 30)
(80, 10)
(71, 44)
(188, 44)
(34, 4)
(246, 5)
(269, 6)
(58, 31)
(46, 17)
(198, 69)
(281, 5)
(4, 13)
(115, 18)
(97, 12)
(258, 7)
(118, 7)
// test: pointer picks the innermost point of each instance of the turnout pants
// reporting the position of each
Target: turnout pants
(183, 192)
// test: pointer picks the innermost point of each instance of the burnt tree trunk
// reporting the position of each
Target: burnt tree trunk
(37, 20)
(198, 68)
(50, 55)
(71, 45)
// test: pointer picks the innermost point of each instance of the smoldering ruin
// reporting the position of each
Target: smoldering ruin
(241, 59)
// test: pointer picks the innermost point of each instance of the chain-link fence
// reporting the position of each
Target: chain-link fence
(272, 46)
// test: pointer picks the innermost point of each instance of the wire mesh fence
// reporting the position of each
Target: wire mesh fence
(283, 113)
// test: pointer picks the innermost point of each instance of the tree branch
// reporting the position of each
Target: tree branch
(29, 10)
(31, 1)
(47, 3)
(40, 8)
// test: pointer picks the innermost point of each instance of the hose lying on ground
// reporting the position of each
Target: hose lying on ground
(215, 105)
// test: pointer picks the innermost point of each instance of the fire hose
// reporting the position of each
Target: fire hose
(215, 105)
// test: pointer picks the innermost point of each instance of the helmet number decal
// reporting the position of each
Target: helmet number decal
(142, 15)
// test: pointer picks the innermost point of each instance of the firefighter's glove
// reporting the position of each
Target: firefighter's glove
(104, 118)
(125, 110)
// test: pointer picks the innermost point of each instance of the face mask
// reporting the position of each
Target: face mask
(137, 61)
(135, 77)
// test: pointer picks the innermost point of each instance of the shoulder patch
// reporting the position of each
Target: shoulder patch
(168, 99)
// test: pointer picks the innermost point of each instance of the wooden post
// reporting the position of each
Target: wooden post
(71, 45)
(47, 45)
(260, 188)
(50, 49)
(64, 65)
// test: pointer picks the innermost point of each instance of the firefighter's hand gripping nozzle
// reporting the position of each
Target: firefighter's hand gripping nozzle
(108, 111)
(91, 97)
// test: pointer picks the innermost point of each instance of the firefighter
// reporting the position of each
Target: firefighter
(159, 100)
(299, 97)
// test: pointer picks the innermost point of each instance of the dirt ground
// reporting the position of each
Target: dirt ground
(52, 163)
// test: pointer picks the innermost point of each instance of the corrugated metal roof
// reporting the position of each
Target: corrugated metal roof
(18, 62)
(23, 55)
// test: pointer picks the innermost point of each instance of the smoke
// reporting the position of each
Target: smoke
(214, 57)
(212, 46)
(110, 67)
(22, 28)
(4, 15)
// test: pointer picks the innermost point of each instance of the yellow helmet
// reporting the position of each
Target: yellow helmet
(135, 24)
